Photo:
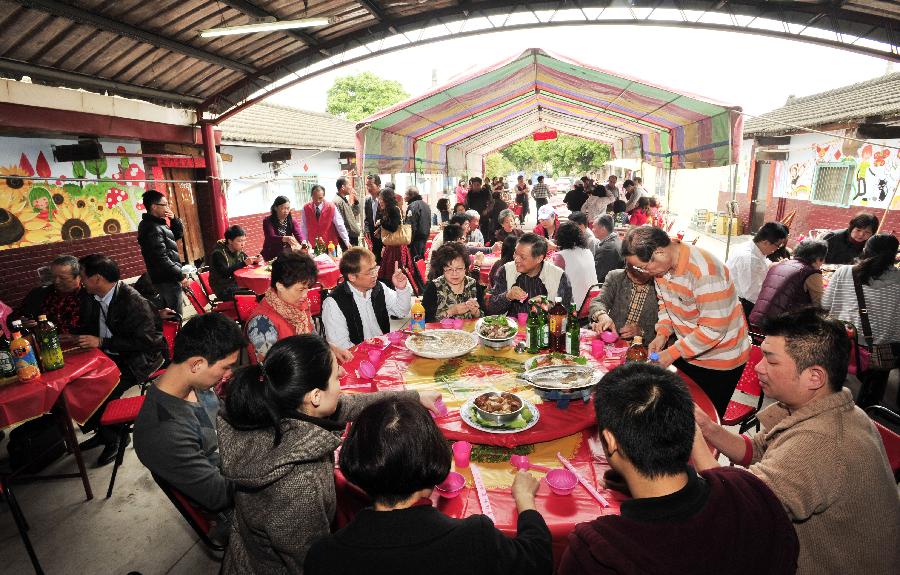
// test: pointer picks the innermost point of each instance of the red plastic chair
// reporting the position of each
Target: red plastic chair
(244, 305)
(21, 524)
(592, 292)
(203, 276)
(196, 518)
(315, 295)
(170, 329)
(121, 412)
(420, 263)
(199, 300)
(889, 437)
(739, 413)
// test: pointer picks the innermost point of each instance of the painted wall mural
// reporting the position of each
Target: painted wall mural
(875, 168)
(42, 201)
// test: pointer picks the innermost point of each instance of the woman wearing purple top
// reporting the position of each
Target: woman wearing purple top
(280, 231)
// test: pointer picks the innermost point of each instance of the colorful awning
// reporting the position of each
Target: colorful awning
(450, 129)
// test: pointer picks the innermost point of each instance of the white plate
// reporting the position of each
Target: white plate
(441, 349)
(509, 321)
(465, 414)
(528, 364)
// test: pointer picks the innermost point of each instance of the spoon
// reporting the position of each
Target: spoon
(521, 462)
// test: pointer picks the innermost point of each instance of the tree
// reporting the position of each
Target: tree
(357, 97)
(496, 165)
(566, 155)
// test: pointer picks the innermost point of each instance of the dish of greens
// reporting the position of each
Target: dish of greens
(496, 327)
(526, 420)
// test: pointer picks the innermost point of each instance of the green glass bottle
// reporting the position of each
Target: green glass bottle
(545, 327)
(533, 331)
(573, 332)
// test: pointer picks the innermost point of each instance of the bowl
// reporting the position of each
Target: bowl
(498, 418)
(448, 323)
(608, 336)
(497, 343)
(561, 481)
(451, 486)
(396, 336)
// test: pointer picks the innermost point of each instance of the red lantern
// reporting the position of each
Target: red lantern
(548, 135)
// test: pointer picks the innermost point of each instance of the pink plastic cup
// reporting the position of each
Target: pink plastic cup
(457, 323)
(448, 323)
(366, 369)
(462, 452)
(561, 481)
(374, 356)
(451, 487)
(522, 317)
(396, 337)
(608, 336)
(598, 348)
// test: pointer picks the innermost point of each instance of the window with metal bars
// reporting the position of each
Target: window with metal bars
(832, 183)
(302, 187)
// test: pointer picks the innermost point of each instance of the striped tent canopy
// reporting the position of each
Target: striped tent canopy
(451, 128)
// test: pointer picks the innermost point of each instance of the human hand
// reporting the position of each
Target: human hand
(90, 341)
(479, 259)
(665, 359)
(166, 313)
(186, 282)
(629, 330)
(342, 355)
(516, 293)
(398, 278)
(169, 213)
(472, 305)
(658, 343)
(428, 400)
(524, 488)
(704, 423)
(604, 323)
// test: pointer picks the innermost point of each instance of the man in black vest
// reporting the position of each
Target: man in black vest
(361, 306)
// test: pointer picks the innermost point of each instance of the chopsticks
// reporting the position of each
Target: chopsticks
(584, 482)
(482, 493)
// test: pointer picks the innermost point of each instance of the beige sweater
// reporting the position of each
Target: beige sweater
(827, 465)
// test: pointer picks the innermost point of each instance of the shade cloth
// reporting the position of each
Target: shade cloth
(257, 278)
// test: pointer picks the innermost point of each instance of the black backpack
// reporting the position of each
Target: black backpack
(35, 444)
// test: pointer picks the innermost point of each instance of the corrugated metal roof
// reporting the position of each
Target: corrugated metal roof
(285, 126)
(878, 98)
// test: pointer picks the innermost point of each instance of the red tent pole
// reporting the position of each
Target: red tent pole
(219, 202)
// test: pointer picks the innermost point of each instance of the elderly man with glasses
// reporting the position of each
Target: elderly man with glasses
(748, 265)
(158, 234)
(361, 307)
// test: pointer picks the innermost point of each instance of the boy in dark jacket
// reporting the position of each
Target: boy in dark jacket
(160, 250)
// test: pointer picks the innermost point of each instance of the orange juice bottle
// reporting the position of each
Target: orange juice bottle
(417, 311)
(23, 356)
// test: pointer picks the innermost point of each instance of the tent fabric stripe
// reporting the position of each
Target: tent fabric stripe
(475, 114)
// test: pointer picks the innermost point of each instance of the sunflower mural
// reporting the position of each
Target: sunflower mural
(42, 204)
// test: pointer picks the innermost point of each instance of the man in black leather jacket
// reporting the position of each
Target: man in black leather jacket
(159, 248)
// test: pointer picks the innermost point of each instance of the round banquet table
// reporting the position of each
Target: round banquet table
(258, 278)
(570, 431)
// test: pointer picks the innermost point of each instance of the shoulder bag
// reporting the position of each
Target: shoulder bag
(882, 356)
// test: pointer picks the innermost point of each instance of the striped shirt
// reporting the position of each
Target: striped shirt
(698, 303)
(882, 297)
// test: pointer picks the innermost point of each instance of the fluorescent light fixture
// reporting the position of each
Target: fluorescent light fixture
(266, 27)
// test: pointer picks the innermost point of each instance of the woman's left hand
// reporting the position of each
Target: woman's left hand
(428, 399)
(342, 355)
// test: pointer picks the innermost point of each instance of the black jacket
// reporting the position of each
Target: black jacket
(370, 223)
(478, 200)
(840, 249)
(137, 343)
(33, 306)
(418, 214)
(159, 248)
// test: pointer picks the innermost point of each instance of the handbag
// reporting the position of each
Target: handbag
(401, 237)
(882, 356)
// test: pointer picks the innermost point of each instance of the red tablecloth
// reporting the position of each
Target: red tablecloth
(85, 381)
(489, 261)
(257, 279)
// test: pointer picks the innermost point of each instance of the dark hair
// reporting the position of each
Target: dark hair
(444, 256)
(151, 197)
(375, 178)
(864, 220)
(340, 183)
(508, 250)
(393, 450)
(452, 233)
(569, 236)
(643, 202)
(642, 241)
(618, 206)
(605, 221)
(459, 205)
(293, 268)
(389, 197)
(260, 396)
(772, 232)
(316, 188)
(813, 339)
(579, 218)
(650, 412)
(99, 264)
(540, 178)
(279, 201)
(599, 191)
(211, 336)
(443, 205)
(351, 260)
(808, 251)
(234, 231)
(474, 180)
(876, 258)
(653, 202)
(537, 243)
(70, 262)
(627, 183)
(460, 219)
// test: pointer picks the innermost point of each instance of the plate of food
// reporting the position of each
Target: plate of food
(499, 412)
(563, 377)
(496, 331)
(553, 359)
(441, 343)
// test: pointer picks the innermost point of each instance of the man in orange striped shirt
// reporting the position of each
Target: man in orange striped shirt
(698, 305)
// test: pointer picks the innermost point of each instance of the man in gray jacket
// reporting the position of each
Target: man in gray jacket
(627, 305)
(348, 206)
(606, 249)
(418, 215)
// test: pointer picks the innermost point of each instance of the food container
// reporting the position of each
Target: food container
(498, 418)
(561, 481)
(451, 486)
(498, 343)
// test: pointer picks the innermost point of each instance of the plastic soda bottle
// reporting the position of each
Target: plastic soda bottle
(637, 351)
(7, 362)
(26, 364)
(51, 350)
(417, 311)
(533, 331)
(331, 250)
(573, 333)
(653, 358)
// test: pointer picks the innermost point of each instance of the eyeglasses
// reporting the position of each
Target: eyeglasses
(165, 205)
(371, 272)
(448, 270)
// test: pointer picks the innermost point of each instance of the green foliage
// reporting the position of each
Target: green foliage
(495, 165)
(357, 97)
(96, 167)
(566, 155)
(78, 169)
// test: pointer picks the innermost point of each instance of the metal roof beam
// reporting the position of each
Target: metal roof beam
(75, 14)
(251, 9)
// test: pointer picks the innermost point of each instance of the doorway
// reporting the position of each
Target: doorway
(761, 182)
(183, 199)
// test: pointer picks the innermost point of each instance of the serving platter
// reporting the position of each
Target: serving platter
(465, 412)
(441, 343)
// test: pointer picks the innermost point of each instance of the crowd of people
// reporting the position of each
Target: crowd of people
(253, 446)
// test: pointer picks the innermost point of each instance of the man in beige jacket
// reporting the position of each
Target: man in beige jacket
(818, 452)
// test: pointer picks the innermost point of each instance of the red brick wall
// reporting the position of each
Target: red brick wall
(252, 224)
(20, 265)
(810, 216)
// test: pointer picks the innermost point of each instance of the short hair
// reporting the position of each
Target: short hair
(211, 336)
(278, 201)
(99, 264)
(375, 178)
(638, 180)
(643, 202)
(69, 261)
(537, 243)
(772, 232)
(618, 206)
(460, 219)
(473, 215)
(579, 218)
(315, 189)
(452, 233)
(569, 236)
(443, 204)
(605, 221)
(627, 183)
(642, 241)
(151, 197)
(864, 220)
(234, 231)
(351, 260)
(505, 213)
(394, 449)
(540, 178)
(340, 183)
(293, 268)
(445, 255)
(813, 339)
(808, 251)
(650, 412)
(476, 179)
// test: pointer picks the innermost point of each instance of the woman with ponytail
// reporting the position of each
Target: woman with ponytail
(880, 281)
(282, 421)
